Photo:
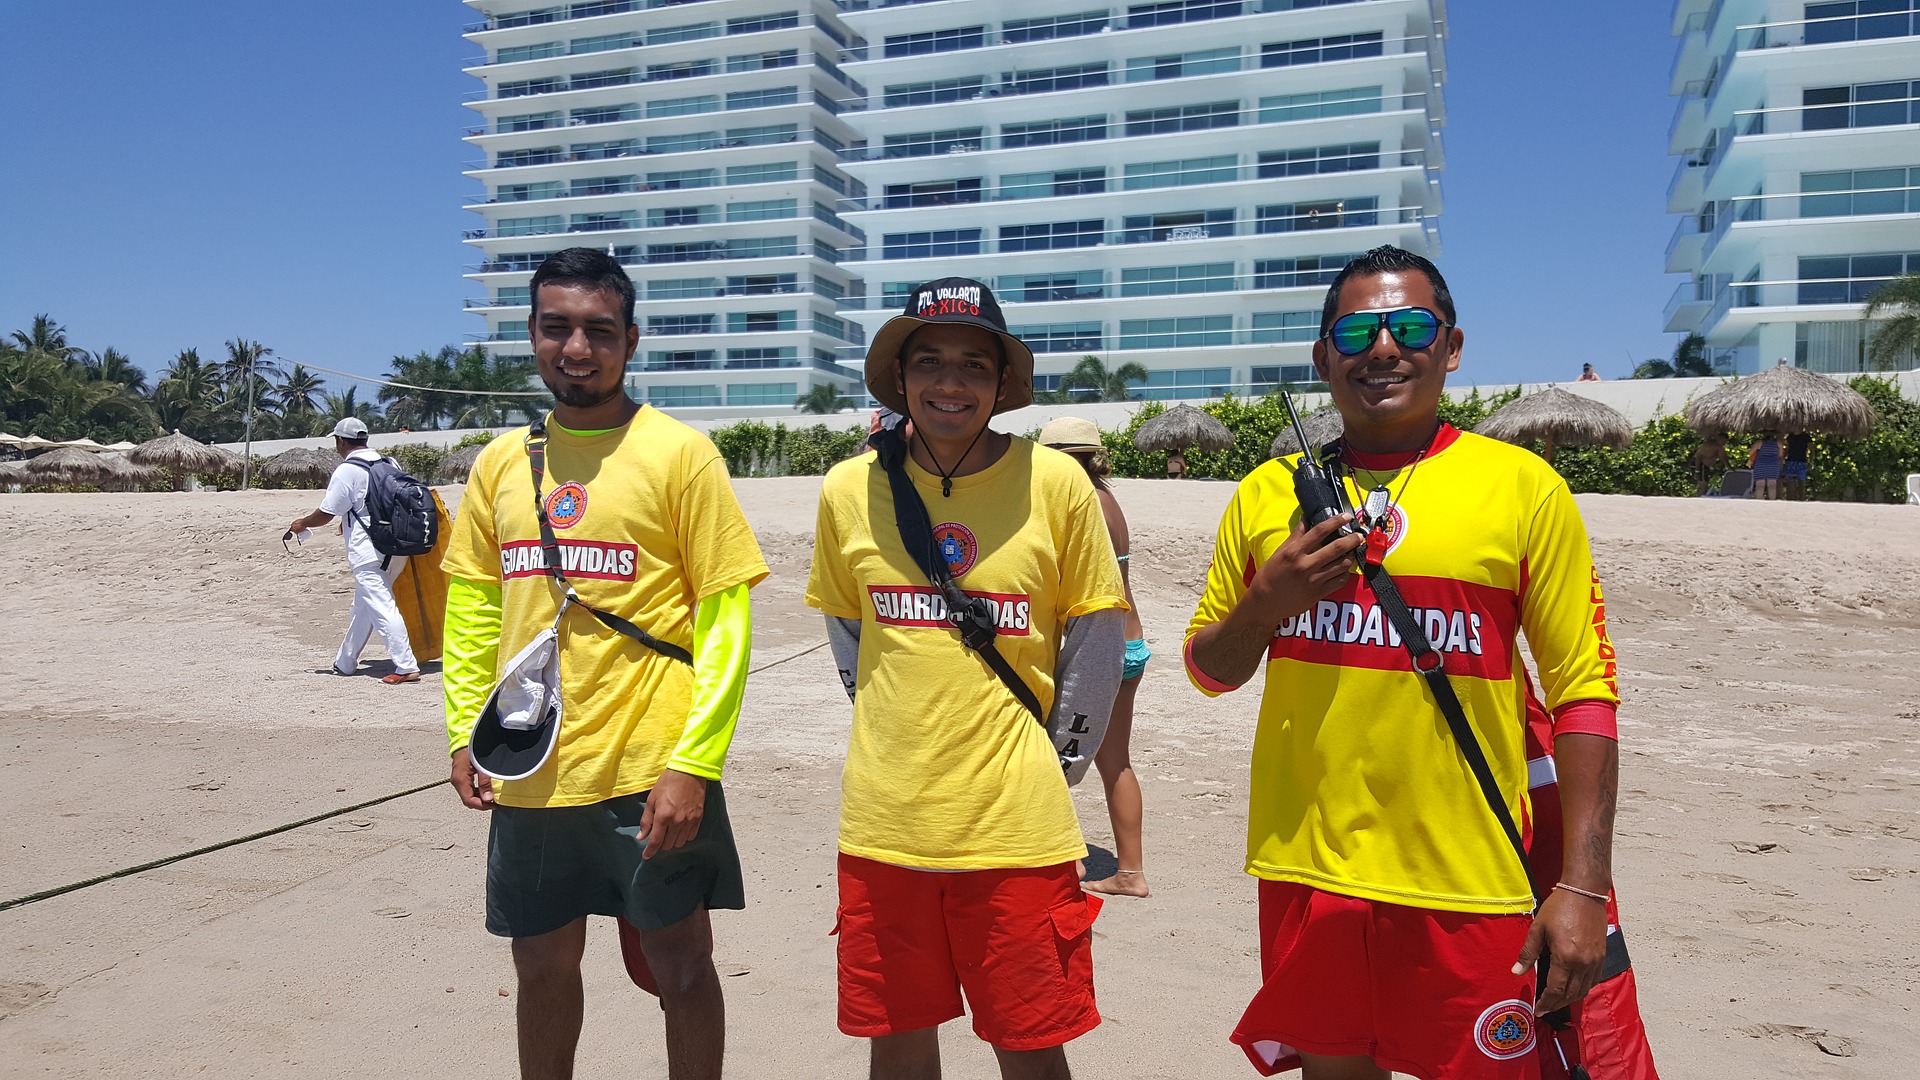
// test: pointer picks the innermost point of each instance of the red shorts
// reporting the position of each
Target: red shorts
(1018, 942)
(1419, 991)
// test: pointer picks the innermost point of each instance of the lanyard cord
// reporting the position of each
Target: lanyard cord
(946, 475)
(1405, 482)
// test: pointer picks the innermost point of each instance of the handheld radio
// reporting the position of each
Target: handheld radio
(1317, 485)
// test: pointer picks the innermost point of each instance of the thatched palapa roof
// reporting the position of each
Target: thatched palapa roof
(1183, 427)
(310, 464)
(1557, 418)
(1323, 425)
(456, 466)
(68, 465)
(179, 453)
(1783, 399)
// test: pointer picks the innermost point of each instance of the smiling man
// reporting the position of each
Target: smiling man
(609, 801)
(1394, 914)
(958, 838)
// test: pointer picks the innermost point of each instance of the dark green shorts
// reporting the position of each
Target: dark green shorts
(547, 866)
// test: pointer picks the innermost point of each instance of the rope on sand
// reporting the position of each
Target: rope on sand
(48, 894)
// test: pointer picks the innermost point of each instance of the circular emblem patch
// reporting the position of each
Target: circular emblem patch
(1505, 1030)
(1396, 528)
(957, 546)
(566, 505)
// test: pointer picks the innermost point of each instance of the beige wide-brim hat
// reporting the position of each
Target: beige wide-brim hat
(948, 300)
(1072, 435)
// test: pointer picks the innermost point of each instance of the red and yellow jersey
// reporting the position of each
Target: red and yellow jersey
(1357, 785)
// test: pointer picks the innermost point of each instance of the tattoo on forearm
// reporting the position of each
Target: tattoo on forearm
(1598, 847)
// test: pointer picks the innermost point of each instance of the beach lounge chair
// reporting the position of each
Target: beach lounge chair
(1736, 484)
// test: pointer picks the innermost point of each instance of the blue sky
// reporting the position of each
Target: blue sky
(177, 175)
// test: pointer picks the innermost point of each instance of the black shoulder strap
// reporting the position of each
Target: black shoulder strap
(1432, 667)
(970, 615)
(550, 549)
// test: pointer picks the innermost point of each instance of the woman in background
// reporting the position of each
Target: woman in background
(1081, 439)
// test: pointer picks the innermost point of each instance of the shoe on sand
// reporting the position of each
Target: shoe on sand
(399, 677)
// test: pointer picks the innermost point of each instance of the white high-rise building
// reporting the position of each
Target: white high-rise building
(695, 142)
(1171, 184)
(1798, 131)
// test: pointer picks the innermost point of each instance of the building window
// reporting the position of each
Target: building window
(1296, 273)
(1860, 191)
(607, 221)
(761, 99)
(1282, 326)
(1865, 105)
(680, 360)
(1050, 132)
(530, 86)
(1192, 332)
(762, 247)
(1316, 106)
(1320, 50)
(754, 24)
(530, 122)
(552, 189)
(512, 296)
(591, 80)
(663, 325)
(965, 37)
(685, 69)
(521, 53)
(925, 143)
(762, 174)
(1058, 26)
(1053, 184)
(1159, 174)
(1176, 280)
(667, 35)
(1863, 20)
(930, 245)
(759, 322)
(1048, 80)
(1268, 379)
(1325, 214)
(664, 216)
(933, 193)
(1047, 236)
(1313, 160)
(685, 397)
(605, 43)
(1192, 383)
(767, 135)
(1180, 11)
(682, 288)
(1183, 118)
(1183, 65)
(1060, 285)
(933, 93)
(544, 155)
(682, 143)
(686, 106)
(1183, 225)
(839, 328)
(777, 58)
(1080, 337)
(773, 393)
(684, 178)
(762, 284)
(529, 226)
(605, 185)
(762, 210)
(1847, 279)
(775, 356)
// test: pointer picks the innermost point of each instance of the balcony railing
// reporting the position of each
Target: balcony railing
(640, 186)
(635, 76)
(1312, 221)
(1130, 290)
(1828, 31)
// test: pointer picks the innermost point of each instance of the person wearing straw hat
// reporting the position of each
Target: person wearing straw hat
(1398, 920)
(597, 640)
(374, 609)
(958, 838)
(1080, 439)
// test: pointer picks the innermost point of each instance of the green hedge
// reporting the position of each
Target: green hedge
(752, 448)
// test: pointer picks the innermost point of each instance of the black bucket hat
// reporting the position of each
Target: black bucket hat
(948, 300)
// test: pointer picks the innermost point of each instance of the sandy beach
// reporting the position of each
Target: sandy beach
(161, 689)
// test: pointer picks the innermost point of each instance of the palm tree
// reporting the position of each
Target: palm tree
(247, 369)
(113, 366)
(1652, 369)
(299, 393)
(478, 369)
(1689, 362)
(188, 397)
(1091, 374)
(48, 338)
(823, 400)
(1897, 340)
(340, 406)
(415, 405)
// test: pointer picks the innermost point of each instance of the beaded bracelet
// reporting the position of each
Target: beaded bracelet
(1582, 892)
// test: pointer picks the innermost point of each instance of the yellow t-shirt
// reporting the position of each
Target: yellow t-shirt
(946, 770)
(1358, 787)
(648, 523)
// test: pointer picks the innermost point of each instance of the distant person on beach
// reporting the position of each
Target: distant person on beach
(958, 836)
(374, 609)
(1176, 466)
(1587, 374)
(1709, 463)
(1794, 465)
(1397, 915)
(1764, 460)
(1081, 440)
(611, 723)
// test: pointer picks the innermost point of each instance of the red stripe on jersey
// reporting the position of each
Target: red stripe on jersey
(1472, 626)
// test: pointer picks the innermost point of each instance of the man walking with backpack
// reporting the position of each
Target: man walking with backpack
(373, 571)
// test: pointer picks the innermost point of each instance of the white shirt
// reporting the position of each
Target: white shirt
(346, 499)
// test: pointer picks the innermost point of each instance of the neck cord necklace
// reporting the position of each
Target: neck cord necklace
(1379, 501)
(946, 474)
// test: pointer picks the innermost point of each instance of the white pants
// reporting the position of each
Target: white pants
(374, 609)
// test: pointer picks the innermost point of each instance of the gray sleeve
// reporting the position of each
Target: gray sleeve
(843, 636)
(1087, 679)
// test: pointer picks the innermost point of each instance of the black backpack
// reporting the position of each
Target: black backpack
(401, 518)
